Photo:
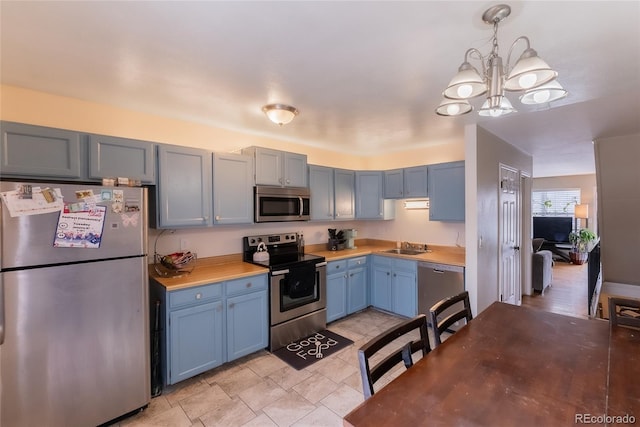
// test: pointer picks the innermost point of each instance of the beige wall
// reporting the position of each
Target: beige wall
(587, 186)
(37, 108)
(482, 241)
(618, 181)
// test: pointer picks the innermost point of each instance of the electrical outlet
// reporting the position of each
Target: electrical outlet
(184, 244)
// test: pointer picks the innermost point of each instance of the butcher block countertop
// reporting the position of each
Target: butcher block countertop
(229, 267)
(210, 270)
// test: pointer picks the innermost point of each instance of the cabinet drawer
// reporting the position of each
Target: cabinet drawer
(405, 265)
(357, 262)
(247, 284)
(336, 266)
(198, 294)
(383, 261)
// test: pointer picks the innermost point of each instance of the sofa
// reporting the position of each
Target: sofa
(541, 267)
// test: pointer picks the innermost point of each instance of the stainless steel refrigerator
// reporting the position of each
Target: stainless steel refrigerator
(74, 323)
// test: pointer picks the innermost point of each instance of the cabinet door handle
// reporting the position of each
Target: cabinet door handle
(217, 217)
(231, 305)
(249, 284)
(198, 295)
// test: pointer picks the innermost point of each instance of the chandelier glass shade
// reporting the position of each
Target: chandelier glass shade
(548, 92)
(453, 107)
(280, 114)
(530, 74)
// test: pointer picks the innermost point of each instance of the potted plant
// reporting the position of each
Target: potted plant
(580, 245)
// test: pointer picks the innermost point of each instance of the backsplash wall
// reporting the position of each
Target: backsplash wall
(409, 225)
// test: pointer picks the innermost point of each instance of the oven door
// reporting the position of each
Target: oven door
(275, 204)
(297, 291)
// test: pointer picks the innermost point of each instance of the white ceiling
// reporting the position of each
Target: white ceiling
(366, 76)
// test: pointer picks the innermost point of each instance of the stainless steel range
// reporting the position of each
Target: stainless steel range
(297, 291)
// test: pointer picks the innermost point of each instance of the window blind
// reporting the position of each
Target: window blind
(554, 202)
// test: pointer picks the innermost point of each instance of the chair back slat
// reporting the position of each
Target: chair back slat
(443, 325)
(624, 312)
(371, 374)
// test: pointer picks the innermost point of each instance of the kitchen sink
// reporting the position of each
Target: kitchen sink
(405, 251)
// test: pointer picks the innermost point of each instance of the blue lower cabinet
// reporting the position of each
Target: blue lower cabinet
(336, 290)
(404, 293)
(247, 317)
(346, 287)
(206, 326)
(381, 283)
(357, 296)
(196, 340)
(394, 285)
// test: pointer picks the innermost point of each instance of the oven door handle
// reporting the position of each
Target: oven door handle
(280, 272)
(321, 264)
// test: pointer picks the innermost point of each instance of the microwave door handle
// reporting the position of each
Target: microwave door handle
(301, 205)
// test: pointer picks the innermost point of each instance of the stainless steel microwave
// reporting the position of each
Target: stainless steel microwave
(276, 204)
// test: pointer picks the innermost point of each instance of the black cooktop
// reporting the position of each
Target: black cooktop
(283, 249)
(280, 262)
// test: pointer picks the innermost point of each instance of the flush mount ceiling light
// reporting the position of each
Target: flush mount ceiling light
(529, 74)
(280, 114)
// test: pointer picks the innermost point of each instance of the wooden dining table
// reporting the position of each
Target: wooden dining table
(516, 366)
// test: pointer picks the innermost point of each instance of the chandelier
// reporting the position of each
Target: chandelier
(530, 75)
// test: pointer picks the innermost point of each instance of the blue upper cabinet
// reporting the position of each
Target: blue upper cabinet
(111, 157)
(184, 188)
(322, 194)
(370, 203)
(415, 182)
(295, 170)
(278, 168)
(394, 184)
(345, 197)
(232, 189)
(446, 192)
(41, 152)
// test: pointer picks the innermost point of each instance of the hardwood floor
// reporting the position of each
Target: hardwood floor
(567, 293)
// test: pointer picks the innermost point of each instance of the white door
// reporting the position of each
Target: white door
(509, 235)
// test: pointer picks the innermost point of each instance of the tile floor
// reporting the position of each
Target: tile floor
(262, 390)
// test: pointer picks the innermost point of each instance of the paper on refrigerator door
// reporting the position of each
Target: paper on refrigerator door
(40, 201)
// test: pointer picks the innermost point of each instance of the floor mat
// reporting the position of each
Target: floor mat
(303, 352)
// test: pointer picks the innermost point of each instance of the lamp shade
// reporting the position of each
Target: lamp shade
(581, 211)
(503, 108)
(548, 92)
(280, 114)
(453, 107)
(466, 84)
(530, 71)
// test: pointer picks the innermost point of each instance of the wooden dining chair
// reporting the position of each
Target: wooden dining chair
(444, 325)
(401, 354)
(624, 311)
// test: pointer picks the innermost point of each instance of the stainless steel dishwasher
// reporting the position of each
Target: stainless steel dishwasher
(438, 281)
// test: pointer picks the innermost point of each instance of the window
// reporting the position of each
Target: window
(555, 202)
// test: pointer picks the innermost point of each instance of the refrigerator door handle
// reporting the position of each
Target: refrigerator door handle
(1, 310)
